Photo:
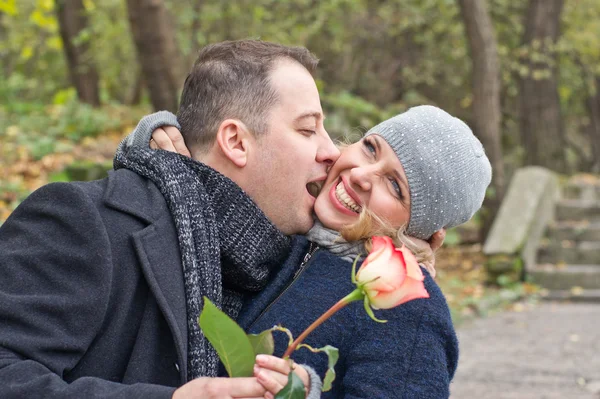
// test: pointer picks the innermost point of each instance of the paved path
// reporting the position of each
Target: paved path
(547, 351)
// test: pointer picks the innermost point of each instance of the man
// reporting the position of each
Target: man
(101, 282)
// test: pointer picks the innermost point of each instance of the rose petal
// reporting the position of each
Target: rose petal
(381, 242)
(413, 269)
(411, 289)
(383, 263)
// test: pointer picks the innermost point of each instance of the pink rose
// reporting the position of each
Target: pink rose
(390, 276)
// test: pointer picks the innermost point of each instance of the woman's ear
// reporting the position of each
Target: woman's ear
(234, 140)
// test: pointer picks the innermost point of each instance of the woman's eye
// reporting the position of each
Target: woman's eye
(397, 188)
(369, 146)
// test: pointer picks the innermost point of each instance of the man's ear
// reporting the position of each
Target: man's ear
(234, 140)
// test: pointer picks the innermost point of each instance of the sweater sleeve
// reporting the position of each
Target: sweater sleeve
(413, 355)
(141, 135)
(315, 384)
(55, 276)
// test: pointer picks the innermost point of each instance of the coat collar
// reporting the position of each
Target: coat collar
(130, 193)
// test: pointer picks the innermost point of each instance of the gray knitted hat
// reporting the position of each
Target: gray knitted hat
(445, 164)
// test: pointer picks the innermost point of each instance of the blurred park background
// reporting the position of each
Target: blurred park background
(76, 76)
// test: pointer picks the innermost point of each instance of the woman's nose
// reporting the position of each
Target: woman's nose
(361, 176)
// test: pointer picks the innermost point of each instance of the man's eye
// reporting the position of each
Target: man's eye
(308, 132)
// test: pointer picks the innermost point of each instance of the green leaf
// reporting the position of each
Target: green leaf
(353, 277)
(370, 311)
(229, 340)
(263, 343)
(294, 389)
(333, 355)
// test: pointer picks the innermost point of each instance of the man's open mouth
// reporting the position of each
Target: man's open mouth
(314, 187)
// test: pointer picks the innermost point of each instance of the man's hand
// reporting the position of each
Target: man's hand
(169, 138)
(272, 372)
(221, 388)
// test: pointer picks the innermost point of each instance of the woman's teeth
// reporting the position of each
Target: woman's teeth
(345, 199)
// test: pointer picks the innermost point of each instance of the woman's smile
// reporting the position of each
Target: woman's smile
(365, 175)
(344, 199)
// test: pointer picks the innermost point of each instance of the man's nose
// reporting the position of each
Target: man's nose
(327, 152)
(362, 176)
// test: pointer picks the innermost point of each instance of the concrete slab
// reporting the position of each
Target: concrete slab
(551, 350)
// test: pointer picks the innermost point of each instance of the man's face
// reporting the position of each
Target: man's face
(294, 153)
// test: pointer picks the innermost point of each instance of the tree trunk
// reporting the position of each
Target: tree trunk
(154, 37)
(487, 113)
(593, 107)
(195, 47)
(134, 96)
(72, 20)
(541, 122)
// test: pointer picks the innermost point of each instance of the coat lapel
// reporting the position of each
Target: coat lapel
(157, 248)
(161, 265)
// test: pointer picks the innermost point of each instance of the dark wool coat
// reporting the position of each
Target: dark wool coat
(413, 355)
(91, 293)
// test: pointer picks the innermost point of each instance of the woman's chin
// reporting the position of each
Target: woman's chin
(330, 221)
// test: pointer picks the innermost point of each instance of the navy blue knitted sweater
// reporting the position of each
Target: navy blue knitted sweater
(413, 355)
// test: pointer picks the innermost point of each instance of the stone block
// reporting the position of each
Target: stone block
(575, 231)
(566, 277)
(570, 252)
(527, 209)
(578, 210)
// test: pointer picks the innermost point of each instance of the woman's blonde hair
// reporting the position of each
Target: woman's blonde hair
(369, 224)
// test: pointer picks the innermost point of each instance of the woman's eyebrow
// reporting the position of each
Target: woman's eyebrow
(377, 144)
(400, 178)
(396, 172)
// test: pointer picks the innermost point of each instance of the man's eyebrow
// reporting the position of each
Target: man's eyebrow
(316, 114)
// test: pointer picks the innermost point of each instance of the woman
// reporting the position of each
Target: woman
(417, 173)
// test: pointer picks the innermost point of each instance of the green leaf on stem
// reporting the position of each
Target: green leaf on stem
(370, 311)
(263, 343)
(286, 331)
(353, 277)
(333, 355)
(229, 340)
(294, 389)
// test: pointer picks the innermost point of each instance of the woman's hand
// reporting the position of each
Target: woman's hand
(272, 372)
(427, 249)
(169, 138)
(437, 239)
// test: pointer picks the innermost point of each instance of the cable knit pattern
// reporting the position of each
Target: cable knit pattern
(228, 246)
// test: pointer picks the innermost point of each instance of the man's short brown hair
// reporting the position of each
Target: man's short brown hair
(232, 80)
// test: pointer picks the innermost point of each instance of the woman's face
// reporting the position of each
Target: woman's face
(367, 174)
